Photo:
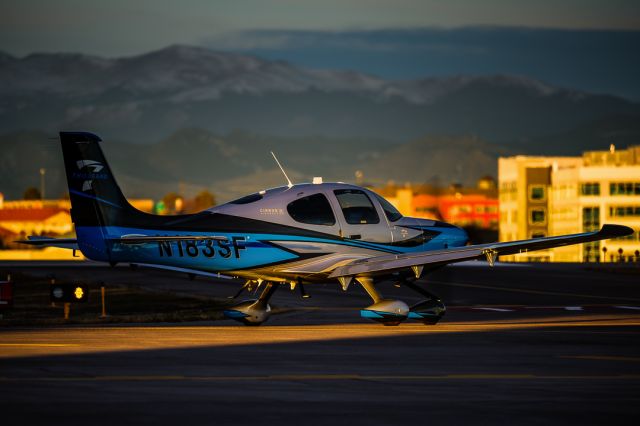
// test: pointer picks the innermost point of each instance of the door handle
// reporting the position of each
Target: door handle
(355, 236)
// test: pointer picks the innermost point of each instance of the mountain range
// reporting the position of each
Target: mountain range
(206, 118)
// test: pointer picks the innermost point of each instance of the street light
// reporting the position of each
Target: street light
(43, 171)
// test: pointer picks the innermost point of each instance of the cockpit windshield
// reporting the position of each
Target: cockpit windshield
(391, 212)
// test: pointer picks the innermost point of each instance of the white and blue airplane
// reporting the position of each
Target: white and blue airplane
(294, 235)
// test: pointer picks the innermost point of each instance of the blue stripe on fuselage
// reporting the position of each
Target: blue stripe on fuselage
(240, 251)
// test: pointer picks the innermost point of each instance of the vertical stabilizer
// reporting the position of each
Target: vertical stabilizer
(96, 200)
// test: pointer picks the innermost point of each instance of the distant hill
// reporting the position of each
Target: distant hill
(239, 163)
(183, 118)
(598, 134)
(147, 97)
(438, 160)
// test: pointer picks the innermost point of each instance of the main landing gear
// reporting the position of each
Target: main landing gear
(386, 311)
(393, 312)
(253, 312)
(257, 311)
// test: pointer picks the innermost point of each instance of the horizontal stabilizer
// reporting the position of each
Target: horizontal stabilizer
(65, 243)
(142, 239)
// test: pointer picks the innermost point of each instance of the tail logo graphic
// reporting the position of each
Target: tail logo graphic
(89, 171)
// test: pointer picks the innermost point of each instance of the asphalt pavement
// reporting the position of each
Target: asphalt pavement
(520, 344)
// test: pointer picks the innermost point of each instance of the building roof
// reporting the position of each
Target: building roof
(28, 215)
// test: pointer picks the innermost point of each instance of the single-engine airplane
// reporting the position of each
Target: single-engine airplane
(294, 235)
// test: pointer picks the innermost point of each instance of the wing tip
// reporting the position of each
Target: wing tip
(613, 231)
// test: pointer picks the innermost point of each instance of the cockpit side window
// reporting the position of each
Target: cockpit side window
(314, 210)
(356, 207)
(391, 212)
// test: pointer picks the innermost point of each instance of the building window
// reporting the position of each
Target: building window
(537, 216)
(537, 192)
(590, 188)
(314, 209)
(622, 211)
(590, 219)
(624, 188)
(591, 252)
(591, 222)
(633, 237)
(356, 207)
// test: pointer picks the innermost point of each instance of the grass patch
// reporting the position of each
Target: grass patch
(32, 305)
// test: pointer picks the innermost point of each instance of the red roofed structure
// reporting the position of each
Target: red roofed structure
(21, 222)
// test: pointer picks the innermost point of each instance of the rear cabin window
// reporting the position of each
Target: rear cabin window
(247, 199)
(356, 207)
(314, 209)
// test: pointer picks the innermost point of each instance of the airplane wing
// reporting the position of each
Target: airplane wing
(380, 265)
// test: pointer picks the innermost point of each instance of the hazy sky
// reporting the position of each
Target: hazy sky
(125, 27)
(589, 45)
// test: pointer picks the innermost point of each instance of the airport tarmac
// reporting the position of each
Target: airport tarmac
(520, 344)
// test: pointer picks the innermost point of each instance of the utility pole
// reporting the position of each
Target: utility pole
(43, 171)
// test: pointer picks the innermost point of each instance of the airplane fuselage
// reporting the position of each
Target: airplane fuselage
(306, 231)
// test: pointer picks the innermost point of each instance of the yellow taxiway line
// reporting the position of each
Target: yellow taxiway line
(64, 341)
(603, 358)
(37, 345)
(322, 377)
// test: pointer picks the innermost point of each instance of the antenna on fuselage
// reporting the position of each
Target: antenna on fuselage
(289, 184)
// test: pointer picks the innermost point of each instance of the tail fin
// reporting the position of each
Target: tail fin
(96, 199)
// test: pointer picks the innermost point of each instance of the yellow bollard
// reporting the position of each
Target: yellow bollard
(104, 309)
